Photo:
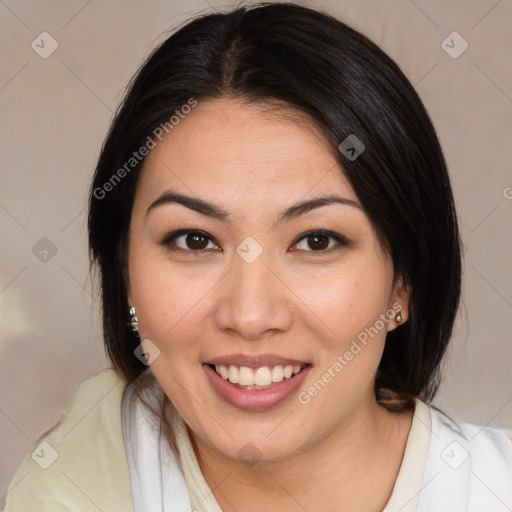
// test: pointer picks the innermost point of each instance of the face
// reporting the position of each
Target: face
(269, 319)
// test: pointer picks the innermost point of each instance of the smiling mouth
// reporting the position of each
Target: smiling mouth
(261, 378)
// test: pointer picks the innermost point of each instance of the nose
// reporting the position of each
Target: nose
(253, 301)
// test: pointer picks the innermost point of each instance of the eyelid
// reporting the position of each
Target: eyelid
(168, 238)
(340, 239)
(184, 231)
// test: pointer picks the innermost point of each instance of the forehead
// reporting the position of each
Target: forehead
(243, 153)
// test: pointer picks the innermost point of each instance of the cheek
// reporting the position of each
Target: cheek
(344, 302)
(344, 311)
(350, 340)
(171, 304)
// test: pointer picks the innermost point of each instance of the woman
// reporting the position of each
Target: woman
(275, 231)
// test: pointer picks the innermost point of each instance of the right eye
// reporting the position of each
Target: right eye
(188, 241)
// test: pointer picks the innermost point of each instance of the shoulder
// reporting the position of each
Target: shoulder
(490, 460)
(80, 462)
(469, 465)
(482, 440)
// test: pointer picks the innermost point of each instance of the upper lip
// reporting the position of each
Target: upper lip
(255, 362)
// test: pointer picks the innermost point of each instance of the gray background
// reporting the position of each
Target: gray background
(54, 116)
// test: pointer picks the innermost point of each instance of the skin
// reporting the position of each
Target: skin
(293, 300)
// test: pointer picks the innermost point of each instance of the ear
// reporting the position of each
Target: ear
(400, 302)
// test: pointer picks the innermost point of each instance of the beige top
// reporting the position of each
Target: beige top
(80, 464)
(405, 493)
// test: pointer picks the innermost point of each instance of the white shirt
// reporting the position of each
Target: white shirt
(446, 467)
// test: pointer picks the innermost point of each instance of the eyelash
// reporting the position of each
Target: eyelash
(171, 237)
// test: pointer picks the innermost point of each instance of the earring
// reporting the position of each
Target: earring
(398, 317)
(134, 322)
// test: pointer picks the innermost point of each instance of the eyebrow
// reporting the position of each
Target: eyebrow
(211, 210)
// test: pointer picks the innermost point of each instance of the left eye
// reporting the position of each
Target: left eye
(320, 241)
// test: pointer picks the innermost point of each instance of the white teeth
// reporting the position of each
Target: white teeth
(233, 374)
(277, 374)
(263, 376)
(245, 376)
(223, 372)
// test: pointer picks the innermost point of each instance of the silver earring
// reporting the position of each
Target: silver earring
(134, 322)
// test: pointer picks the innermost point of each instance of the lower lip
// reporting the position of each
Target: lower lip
(255, 399)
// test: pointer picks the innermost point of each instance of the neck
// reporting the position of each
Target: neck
(357, 463)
